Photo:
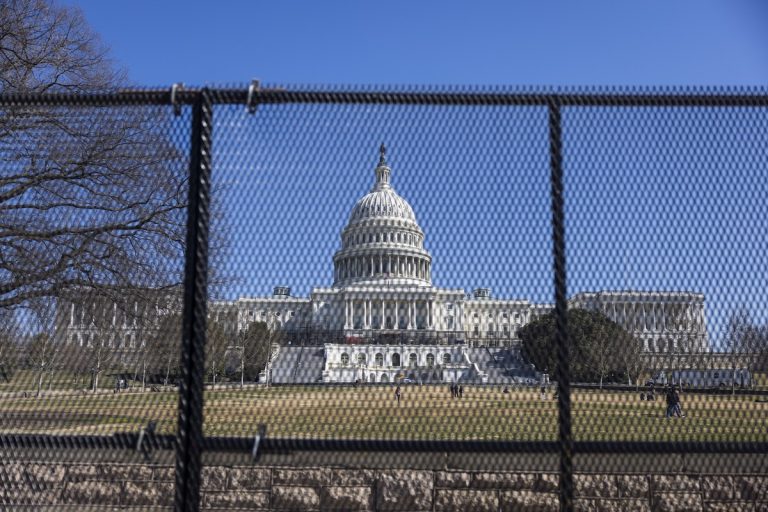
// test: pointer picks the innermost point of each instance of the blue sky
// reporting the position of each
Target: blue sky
(670, 200)
(605, 42)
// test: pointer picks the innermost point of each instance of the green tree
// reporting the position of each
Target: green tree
(600, 349)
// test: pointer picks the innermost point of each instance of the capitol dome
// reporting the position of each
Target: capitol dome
(382, 242)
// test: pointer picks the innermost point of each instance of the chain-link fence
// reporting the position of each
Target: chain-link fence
(384, 270)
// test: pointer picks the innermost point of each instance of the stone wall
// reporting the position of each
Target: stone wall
(110, 486)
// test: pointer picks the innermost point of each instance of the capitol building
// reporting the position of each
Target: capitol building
(383, 320)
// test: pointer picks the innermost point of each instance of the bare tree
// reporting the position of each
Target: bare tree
(255, 344)
(41, 352)
(9, 345)
(217, 343)
(163, 349)
(89, 197)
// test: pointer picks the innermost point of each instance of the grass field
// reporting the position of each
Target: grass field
(427, 412)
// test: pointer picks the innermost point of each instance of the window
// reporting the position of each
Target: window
(506, 330)
(505, 316)
(395, 359)
(344, 359)
(360, 358)
(412, 359)
(477, 330)
(446, 358)
(379, 358)
(430, 360)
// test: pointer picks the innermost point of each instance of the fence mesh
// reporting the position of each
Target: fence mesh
(380, 273)
(94, 215)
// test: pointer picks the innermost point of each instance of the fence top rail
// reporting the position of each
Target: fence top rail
(235, 96)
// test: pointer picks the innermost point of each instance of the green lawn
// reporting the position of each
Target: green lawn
(426, 412)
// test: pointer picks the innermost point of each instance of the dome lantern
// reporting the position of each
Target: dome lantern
(382, 170)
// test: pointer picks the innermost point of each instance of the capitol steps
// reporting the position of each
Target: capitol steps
(298, 365)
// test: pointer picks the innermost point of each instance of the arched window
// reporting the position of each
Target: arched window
(344, 359)
(412, 359)
(388, 324)
(446, 358)
(384, 377)
(361, 358)
(430, 360)
(372, 378)
(395, 359)
(379, 358)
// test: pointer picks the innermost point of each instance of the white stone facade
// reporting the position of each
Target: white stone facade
(665, 322)
(391, 363)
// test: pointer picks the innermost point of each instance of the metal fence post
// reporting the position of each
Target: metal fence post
(563, 374)
(189, 439)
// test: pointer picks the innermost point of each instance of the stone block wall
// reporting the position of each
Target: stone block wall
(126, 486)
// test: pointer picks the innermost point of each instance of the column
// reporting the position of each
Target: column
(72, 315)
(412, 305)
(429, 314)
(381, 264)
(397, 316)
(346, 313)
